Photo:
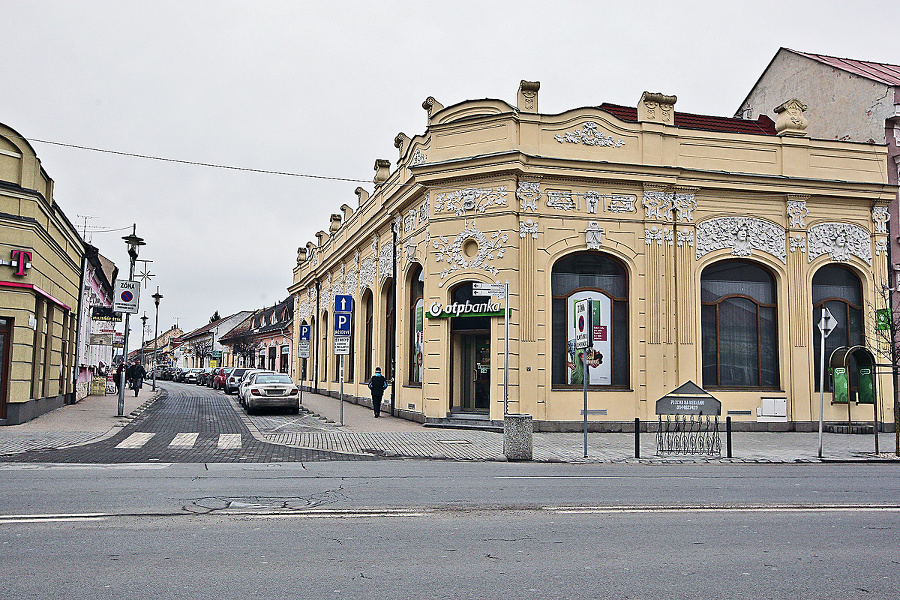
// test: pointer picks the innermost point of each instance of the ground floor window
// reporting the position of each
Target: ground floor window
(603, 280)
(839, 290)
(740, 338)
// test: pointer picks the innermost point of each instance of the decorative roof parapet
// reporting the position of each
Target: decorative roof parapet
(335, 224)
(431, 106)
(790, 121)
(347, 210)
(401, 143)
(362, 194)
(657, 107)
(382, 171)
(527, 98)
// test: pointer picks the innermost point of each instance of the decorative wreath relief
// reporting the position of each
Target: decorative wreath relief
(840, 240)
(743, 235)
(488, 250)
(589, 135)
(474, 199)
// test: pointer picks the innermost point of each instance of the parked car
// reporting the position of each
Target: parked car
(233, 381)
(221, 376)
(203, 376)
(268, 389)
(245, 380)
(193, 375)
(178, 375)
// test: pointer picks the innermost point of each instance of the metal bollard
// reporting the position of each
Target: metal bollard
(728, 436)
(637, 438)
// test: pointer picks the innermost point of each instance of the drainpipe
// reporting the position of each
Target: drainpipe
(394, 320)
(79, 334)
(316, 350)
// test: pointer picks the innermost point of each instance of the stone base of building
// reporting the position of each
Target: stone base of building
(22, 412)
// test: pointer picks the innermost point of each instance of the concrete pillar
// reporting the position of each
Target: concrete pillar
(517, 434)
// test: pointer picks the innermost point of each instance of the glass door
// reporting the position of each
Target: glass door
(5, 343)
(475, 376)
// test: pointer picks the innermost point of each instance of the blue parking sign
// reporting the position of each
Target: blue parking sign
(343, 303)
(343, 313)
(305, 333)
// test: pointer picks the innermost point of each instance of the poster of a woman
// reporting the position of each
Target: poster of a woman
(599, 365)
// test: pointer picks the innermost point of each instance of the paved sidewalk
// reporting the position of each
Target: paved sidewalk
(361, 433)
(92, 419)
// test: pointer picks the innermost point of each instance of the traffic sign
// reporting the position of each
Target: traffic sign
(343, 303)
(827, 323)
(342, 344)
(342, 324)
(488, 289)
(303, 346)
(128, 294)
(583, 323)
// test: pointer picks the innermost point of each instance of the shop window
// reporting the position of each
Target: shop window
(839, 290)
(603, 280)
(738, 322)
(416, 323)
(389, 316)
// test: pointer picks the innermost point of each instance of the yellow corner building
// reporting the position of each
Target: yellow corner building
(704, 249)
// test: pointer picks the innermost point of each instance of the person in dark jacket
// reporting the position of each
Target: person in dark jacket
(136, 374)
(377, 383)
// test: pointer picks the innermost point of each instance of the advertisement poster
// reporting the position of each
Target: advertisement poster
(600, 354)
(418, 339)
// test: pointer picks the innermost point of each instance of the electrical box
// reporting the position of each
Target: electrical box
(772, 409)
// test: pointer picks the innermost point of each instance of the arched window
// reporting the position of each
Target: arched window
(323, 349)
(416, 323)
(840, 291)
(740, 340)
(603, 280)
(387, 297)
(368, 341)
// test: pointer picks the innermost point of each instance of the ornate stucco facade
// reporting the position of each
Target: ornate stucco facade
(696, 239)
(40, 277)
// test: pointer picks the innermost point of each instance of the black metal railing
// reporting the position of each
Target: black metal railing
(683, 435)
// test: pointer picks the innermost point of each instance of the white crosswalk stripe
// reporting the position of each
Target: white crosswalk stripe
(184, 440)
(229, 441)
(135, 440)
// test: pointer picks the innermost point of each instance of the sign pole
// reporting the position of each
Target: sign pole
(506, 351)
(342, 389)
(585, 411)
(825, 327)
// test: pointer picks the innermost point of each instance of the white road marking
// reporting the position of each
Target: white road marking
(597, 510)
(184, 440)
(135, 440)
(229, 441)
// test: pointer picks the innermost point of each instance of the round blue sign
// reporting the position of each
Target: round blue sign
(127, 296)
(581, 323)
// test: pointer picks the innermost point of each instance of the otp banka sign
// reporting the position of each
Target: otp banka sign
(465, 309)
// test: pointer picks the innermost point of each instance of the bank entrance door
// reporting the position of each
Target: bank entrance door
(473, 378)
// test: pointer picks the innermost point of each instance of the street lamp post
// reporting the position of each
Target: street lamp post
(143, 333)
(156, 298)
(134, 244)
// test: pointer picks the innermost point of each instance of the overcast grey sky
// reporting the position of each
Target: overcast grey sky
(322, 88)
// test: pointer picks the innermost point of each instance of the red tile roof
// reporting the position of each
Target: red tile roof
(881, 72)
(763, 126)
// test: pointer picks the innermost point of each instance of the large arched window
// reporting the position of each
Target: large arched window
(323, 374)
(387, 297)
(416, 323)
(603, 280)
(840, 291)
(740, 340)
(368, 341)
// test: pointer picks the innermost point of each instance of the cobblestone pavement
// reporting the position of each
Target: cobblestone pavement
(194, 424)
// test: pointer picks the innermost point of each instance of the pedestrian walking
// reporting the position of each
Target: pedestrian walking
(120, 373)
(377, 383)
(137, 377)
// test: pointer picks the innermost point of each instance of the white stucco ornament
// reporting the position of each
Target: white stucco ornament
(367, 272)
(797, 211)
(487, 248)
(593, 235)
(528, 193)
(561, 200)
(418, 157)
(657, 205)
(659, 234)
(685, 238)
(589, 135)
(621, 204)
(591, 199)
(528, 226)
(470, 199)
(743, 235)
(385, 258)
(880, 216)
(840, 241)
(798, 242)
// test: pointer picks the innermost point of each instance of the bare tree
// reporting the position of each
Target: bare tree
(887, 346)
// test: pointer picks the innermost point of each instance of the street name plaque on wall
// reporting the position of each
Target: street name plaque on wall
(688, 399)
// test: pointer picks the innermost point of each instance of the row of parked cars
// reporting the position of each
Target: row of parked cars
(256, 388)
